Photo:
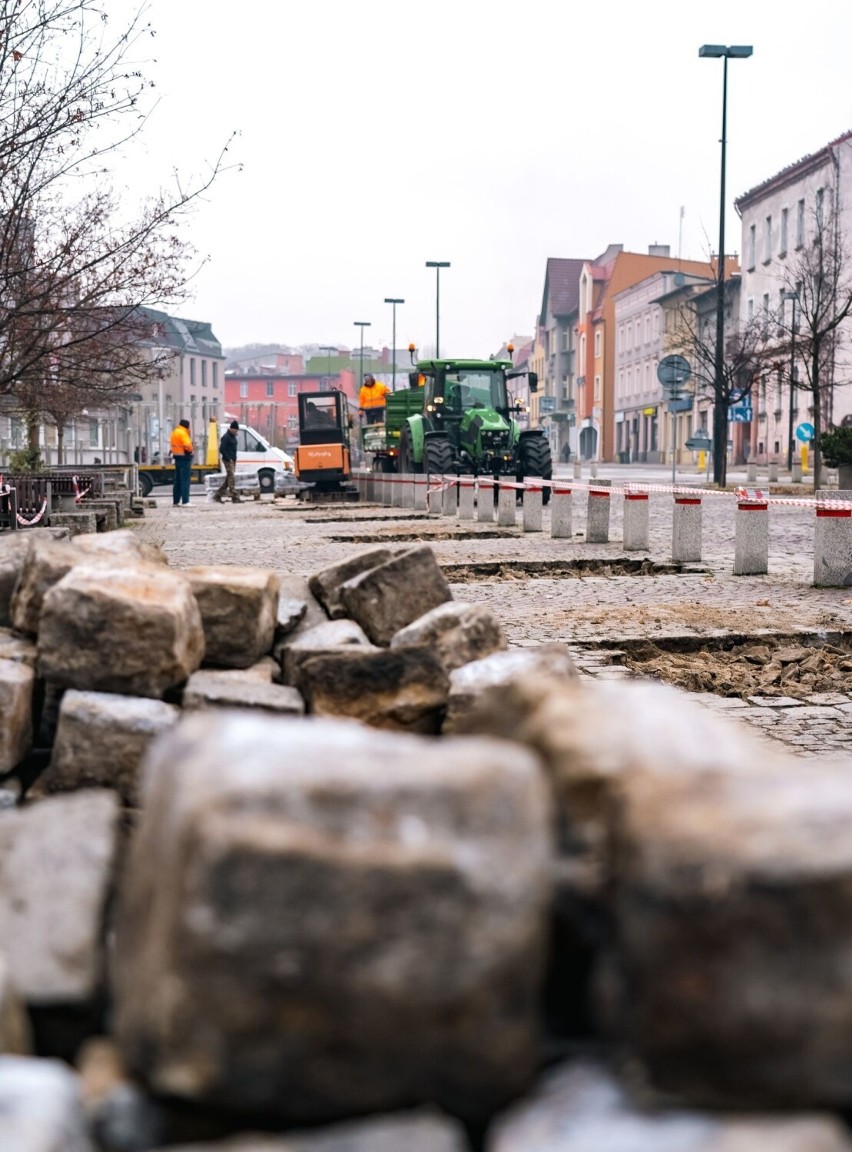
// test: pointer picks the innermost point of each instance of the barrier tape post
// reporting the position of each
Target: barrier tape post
(434, 495)
(467, 490)
(751, 534)
(507, 498)
(421, 486)
(450, 499)
(561, 512)
(686, 529)
(533, 504)
(597, 513)
(484, 500)
(833, 539)
(636, 535)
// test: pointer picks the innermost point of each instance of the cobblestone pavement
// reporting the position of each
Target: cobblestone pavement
(592, 610)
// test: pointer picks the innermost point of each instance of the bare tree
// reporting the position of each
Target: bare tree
(78, 257)
(820, 279)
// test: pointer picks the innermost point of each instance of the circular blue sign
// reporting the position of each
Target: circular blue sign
(805, 432)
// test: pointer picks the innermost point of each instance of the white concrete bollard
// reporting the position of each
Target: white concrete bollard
(533, 505)
(636, 521)
(484, 500)
(593, 469)
(797, 472)
(751, 536)
(578, 469)
(506, 501)
(833, 539)
(751, 473)
(421, 483)
(597, 513)
(467, 493)
(686, 529)
(450, 500)
(406, 490)
(773, 473)
(435, 495)
(561, 513)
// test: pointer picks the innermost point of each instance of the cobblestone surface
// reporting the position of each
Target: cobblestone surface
(587, 611)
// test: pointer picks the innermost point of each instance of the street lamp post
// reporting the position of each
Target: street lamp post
(794, 298)
(720, 415)
(328, 349)
(362, 324)
(437, 265)
(394, 300)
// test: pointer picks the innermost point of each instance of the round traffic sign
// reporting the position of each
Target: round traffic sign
(673, 370)
(805, 432)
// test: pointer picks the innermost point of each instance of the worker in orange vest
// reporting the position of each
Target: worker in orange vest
(371, 399)
(180, 446)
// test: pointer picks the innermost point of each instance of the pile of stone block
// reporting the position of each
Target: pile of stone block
(320, 866)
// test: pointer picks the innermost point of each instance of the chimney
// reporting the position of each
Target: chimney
(659, 250)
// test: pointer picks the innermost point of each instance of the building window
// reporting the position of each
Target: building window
(270, 389)
(293, 423)
(192, 372)
(203, 374)
(647, 329)
(750, 309)
(820, 206)
(215, 375)
(782, 247)
(767, 239)
(292, 389)
(93, 434)
(597, 388)
(752, 244)
(244, 389)
(192, 398)
(597, 344)
(800, 224)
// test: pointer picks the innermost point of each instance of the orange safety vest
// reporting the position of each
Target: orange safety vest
(180, 442)
(373, 395)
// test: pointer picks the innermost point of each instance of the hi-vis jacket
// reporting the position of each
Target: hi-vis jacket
(373, 395)
(180, 442)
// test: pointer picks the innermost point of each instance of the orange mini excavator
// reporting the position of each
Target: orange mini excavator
(322, 457)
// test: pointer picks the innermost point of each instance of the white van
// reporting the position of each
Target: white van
(256, 454)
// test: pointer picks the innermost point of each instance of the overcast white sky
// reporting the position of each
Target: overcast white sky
(381, 134)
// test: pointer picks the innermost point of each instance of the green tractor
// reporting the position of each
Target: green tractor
(467, 423)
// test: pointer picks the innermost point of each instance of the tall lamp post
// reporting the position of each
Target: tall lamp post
(720, 415)
(362, 324)
(794, 298)
(394, 300)
(328, 349)
(437, 265)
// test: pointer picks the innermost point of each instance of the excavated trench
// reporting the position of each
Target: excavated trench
(794, 666)
(493, 571)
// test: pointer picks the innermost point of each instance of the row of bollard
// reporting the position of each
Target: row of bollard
(461, 498)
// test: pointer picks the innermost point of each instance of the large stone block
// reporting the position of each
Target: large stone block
(101, 740)
(325, 585)
(732, 902)
(40, 1107)
(581, 1108)
(136, 631)
(404, 1132)
(460, 633)
(17, 682)
(239, 611)
(330, 637)
(122, 542)
(18, 648)
(13, 550)
(56, 861)
(405, 688)
(46, 562)
(396, 593)
(472, 684)
(225, 690)
(76, 523)
(318, 919)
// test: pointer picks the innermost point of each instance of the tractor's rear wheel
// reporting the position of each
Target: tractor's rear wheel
(438, 457)
(534, 460)
(407, 463)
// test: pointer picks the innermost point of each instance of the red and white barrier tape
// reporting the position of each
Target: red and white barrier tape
(78, 495)
(25, 523)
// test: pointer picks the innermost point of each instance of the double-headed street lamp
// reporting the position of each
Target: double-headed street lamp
(394, 300)
(794, 297)
(362, 324)
(437, 265)
(720, 415)
(328, 349)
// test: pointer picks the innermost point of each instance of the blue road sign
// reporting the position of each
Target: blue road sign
(739, 414)
(805, 432)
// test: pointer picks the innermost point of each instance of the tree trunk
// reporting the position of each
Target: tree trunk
(60, 441)
(815, 393)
